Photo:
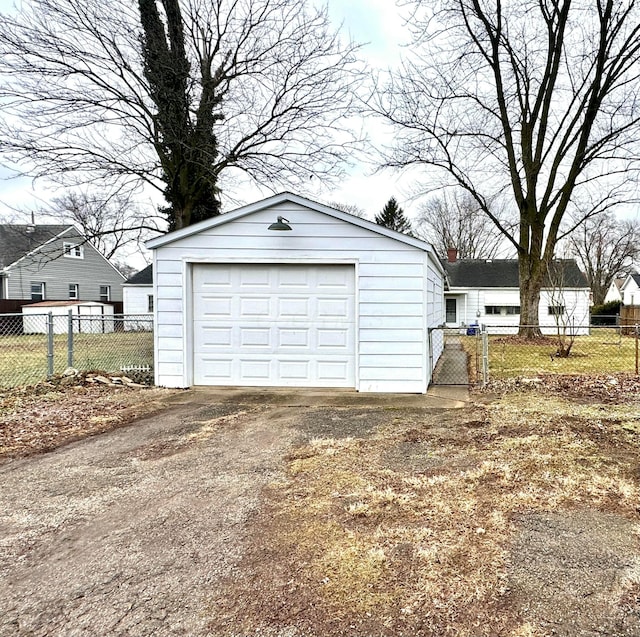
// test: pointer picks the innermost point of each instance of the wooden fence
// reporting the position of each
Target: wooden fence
(630, 315)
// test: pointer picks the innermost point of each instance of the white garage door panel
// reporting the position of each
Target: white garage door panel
(274, 325)
(261, 340)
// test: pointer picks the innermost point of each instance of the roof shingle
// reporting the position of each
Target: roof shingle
(144, 277)
(503, 273)
(16, 241)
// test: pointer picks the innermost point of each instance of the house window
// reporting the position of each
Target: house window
(502, 310)
(556, 310)
(451, 313)
(37, 291)
(73, 250)
(74, 291)
(105, 293)
(150, 303)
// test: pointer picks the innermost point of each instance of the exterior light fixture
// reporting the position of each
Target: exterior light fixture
(281, 224)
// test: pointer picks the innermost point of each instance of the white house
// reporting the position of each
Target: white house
(630, 289)
(137, 297)
(289, 292)
(614, 293)
(486, 292)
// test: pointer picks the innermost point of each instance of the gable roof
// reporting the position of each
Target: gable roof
(144, 277)
(301, 201)
(503, 273)
(633, 276)
(16, 241)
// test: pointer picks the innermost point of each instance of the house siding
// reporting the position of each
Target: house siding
(613, 294)
(136, 298)
(630, 291)
(57, 272)
(391, 296)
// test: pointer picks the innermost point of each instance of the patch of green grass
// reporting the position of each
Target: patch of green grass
(24, 358)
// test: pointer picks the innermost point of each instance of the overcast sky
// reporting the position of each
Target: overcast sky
(375, 22)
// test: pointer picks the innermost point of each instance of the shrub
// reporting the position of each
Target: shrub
(606, 314)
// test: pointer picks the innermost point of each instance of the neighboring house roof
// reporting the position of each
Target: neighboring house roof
(144, 277)
(297, 199)
(636, 278)
(503, 273)
(16, 241)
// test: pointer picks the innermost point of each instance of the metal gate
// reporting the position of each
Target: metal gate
(452, 367)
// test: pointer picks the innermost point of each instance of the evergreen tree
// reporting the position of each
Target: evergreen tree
(392, 217)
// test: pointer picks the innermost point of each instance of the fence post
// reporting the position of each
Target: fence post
(636, 337)
(70, 340)
(50, 345)
(485, 356)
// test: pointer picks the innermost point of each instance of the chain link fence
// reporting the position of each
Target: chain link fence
(36, 346)
(497, 352)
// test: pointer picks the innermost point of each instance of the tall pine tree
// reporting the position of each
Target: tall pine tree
(392, 217)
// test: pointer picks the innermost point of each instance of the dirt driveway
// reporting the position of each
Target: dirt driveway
(285, 514)
(128, 533)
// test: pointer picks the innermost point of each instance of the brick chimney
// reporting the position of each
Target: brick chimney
(452, 255)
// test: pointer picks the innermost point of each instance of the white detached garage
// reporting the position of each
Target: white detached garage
(336, 301)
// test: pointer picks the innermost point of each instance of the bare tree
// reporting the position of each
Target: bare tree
(176, 94)
(536, 102)
(605, 248)
(111, 222)
(456, 221)
(562, 287)
(349, 208)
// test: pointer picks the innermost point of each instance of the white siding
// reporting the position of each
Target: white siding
(613, 293)
(392, 317)
(630, 292)
(136, 299)
(136, 303)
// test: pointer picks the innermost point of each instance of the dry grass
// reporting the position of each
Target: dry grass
(356, 541)
(603, 351)
(23, 358)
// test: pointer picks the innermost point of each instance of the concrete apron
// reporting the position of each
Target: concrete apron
(437, 397)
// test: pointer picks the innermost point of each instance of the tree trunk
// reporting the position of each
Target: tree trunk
(599, 291)
(531, 273)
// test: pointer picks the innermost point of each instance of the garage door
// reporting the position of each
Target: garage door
(277, 325)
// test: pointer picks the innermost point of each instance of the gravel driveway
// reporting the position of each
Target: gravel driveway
(128, 532)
